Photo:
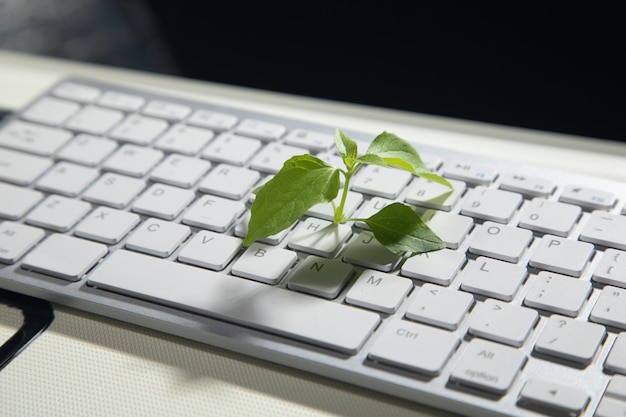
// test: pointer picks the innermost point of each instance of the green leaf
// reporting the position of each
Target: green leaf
(347, 148)
(389, 150)
(398, 228)
(303, 181)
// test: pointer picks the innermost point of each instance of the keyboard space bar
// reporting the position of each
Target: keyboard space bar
(260, 306)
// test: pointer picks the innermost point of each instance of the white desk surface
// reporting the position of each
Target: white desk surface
(86, 365)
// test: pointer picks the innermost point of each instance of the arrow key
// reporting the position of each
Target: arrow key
(547, 394)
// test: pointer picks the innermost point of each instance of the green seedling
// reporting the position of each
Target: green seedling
(306, 180)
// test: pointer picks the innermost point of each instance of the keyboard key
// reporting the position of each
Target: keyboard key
(617, 388)
(183, 139)
(570, 339)
(229, 181)
(87, 149)
(213, 120)
(493, 278)
(166, 110)
(554, 396)
(610, 308)
(550, 217)
(319, 276)
(616, 361)
(379, 291)
(558, 293)
(333, 159)
(381, 181)
(259, 129)
(498, 241)
(232, 149)
(77, 92)
(272, 157)
(433, 195)
(439, 306)
(180, 170)
(561, 255)
(453, 229)
(477, 174)
(20, 168)
(58, 213)
(319, 237)
(241, 230)
(502, 322)
(325, 210)
(439, 267)
(163, 201)
(367, 252)
(491, 204)
(50, 111)
(588, 198)
(157, 237)
(64, 256)
(413, 346)
(309, 139)
(488, 366)
(120, 101)
(15, 202)
(33, 138)
(528, 185)
(140, 130)
(94, 120)
(133, 160)
(264, 263)
(611, 269)
(67, 179)
(611, 407)
(605, 229)
(371, 207)
(16, 239)
(210, 250)
(287, 313)
(107, 225)
(213, 213)
(432, 162)
(114, 190)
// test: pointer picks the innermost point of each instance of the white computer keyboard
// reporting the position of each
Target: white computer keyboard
(134, 206)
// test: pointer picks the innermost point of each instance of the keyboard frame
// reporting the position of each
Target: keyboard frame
(358, 370)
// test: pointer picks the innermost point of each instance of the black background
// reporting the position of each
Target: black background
(546, 65)
(556, 68)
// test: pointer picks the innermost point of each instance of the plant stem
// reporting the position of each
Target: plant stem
(339, 216)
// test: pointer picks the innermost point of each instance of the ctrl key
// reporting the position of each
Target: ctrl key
(488, 366)
(413, 346)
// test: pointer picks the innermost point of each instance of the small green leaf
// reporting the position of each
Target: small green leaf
(398, 228)
(389, 150)
(303, 181)
(348, 149)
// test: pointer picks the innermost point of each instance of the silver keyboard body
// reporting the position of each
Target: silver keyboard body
(468, 377)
